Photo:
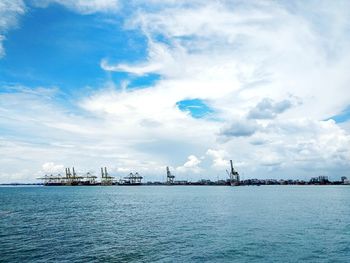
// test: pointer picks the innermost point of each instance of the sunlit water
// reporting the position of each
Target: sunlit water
(175, 224)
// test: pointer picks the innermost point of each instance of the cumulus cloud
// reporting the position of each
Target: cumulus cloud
(240, 128)
(51, 167)
(268, 109)
(302, 142)
(193, 161)
(271, 159)
(113, 128)
(218, 157)
(190, 166)
(235, 46)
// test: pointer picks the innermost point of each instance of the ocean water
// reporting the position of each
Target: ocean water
(175, 224)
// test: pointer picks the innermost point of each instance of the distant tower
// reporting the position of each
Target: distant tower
(74, 173)
(105, 178)
(68, 174)
(234, 175)
(169, 177)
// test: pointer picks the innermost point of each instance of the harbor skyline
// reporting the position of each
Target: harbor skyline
(135, 179)
(142, 85)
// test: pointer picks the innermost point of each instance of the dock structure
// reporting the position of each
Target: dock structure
(233, 176)
(69, 179)
(53, 179)
(90, 179)
(132, 179)
(73, 178)
(169, 177)
(106, 179)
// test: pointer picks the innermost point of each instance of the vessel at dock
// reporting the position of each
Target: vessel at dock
(69, 179)
(131, 179)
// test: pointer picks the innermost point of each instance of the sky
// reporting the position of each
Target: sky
(140, 85)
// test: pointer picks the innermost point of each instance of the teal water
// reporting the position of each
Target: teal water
(175, 224)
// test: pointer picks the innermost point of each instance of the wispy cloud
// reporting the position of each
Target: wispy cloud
(83, 6)
(10, 11)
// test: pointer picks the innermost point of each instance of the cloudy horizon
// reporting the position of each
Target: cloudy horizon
(141, 85)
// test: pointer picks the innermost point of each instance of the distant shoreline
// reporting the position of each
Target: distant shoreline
(194, 184)
(19, 184)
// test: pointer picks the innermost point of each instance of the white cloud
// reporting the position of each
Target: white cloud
(191, 166)
(111, 131)
(158, 55)
(268, 109)
(218, 157)
(51, 167)
(2, 50)
(193, 161)
(234, 51)
(10, 10)
(84, 6)
(240, 128)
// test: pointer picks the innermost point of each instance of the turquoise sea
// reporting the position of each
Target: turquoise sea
(175, 224)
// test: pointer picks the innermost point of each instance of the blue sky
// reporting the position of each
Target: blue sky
(57, 47)
(139, 86)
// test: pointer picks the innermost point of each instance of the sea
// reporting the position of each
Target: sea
(175, 224)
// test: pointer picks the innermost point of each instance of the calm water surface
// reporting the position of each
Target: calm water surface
(175, 224)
